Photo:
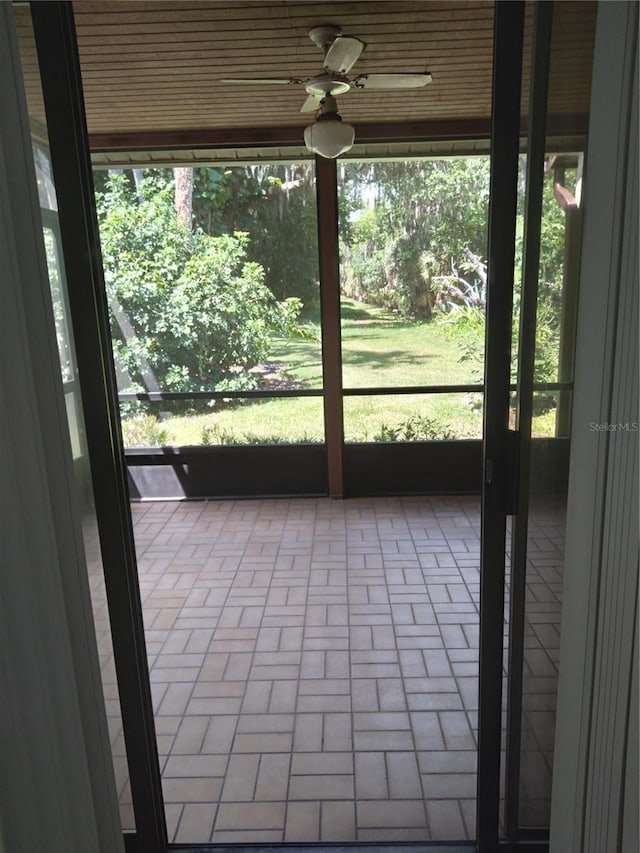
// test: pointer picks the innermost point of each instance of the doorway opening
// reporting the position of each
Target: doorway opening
(340, 460)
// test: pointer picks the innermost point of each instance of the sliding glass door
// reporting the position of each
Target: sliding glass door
(546, 298)
(535, 236)
(387, 332)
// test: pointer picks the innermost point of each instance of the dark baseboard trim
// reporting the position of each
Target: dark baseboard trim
(374, 469)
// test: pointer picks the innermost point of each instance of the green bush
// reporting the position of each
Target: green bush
(213, 434)
(415, 428)
(466, 326)
(189, 312)
(143, 431)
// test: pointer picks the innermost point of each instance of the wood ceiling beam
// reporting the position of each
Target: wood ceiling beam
(243, 137)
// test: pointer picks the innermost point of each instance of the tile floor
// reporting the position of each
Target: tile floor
(543, 608)
(314, 667)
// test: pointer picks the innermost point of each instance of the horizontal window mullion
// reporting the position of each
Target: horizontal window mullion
(410, 389)
(549, 386)
(162, 396)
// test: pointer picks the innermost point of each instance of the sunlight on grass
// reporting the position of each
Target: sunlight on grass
(300, 359)
(378, 350)
(450, 415)
(544, 425)
(290, 420)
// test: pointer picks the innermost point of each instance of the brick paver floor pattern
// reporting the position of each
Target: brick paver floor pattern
(313, 667)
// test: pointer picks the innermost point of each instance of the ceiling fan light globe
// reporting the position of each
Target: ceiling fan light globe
(329, 137)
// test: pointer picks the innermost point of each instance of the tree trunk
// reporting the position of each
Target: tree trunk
(138, 177)
(184, 194)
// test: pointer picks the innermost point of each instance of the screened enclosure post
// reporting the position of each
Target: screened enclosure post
(329, 252)
(505, 132)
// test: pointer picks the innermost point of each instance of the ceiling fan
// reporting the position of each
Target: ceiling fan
(340, 55)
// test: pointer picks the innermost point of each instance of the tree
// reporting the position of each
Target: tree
(410, 227)
(467, 322)
(184, 195)
(188, 311)
(276, 205)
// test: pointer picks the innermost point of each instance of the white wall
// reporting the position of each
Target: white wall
(57, 791)
(595, 786)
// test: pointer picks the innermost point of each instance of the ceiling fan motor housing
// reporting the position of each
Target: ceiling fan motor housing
(322, 36)
(327, 84)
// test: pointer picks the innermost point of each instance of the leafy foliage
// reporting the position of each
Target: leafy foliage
(189, 311)
(466, 325)
(197, 310)
(415, 428)
(276, 205)
(143, 431)
(466, 320)
(213, 434)
(409, 227)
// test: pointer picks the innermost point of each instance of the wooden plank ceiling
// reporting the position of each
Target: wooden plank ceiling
(154, 68)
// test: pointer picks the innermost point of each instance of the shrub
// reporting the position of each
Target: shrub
(213, 434)
(415, 428)
(143, 431)
(188, 312)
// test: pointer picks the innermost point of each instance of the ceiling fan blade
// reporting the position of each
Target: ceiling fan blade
(342, 54)
(391, 81)
(311, 104)
(262, 81)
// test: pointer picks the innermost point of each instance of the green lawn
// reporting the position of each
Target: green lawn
(378, 351)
